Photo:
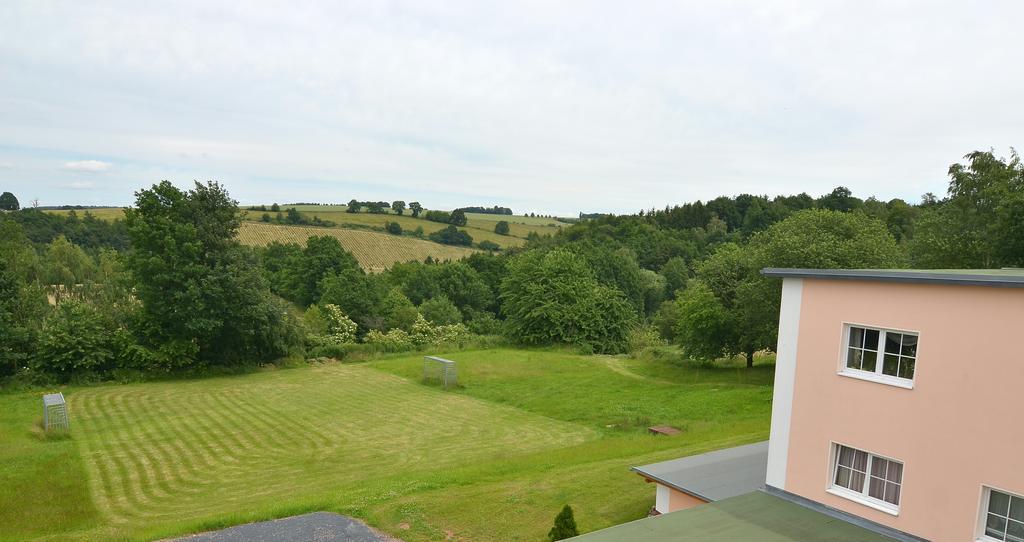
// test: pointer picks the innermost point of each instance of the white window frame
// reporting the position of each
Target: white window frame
(862, 497)
(877, 375)
(986, 492)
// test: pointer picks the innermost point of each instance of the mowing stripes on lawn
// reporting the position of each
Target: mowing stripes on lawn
(167, 452)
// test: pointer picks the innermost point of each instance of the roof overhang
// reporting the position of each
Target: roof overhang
(1005, 278)
(713, 476)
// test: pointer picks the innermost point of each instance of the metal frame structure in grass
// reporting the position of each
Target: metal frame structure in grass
(440, 370)
(55, 412)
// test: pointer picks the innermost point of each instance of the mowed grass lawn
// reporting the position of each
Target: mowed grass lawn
(495, 459)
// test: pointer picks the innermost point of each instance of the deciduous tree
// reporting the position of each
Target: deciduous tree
(554, 297)
(203, 296)
(458, 218)
(8, 202)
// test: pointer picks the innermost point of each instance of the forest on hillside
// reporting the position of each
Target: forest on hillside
(169, 289)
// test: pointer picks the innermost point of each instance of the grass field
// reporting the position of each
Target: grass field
(374, 251)
(102, 213)
(495, 459)
(479, 225)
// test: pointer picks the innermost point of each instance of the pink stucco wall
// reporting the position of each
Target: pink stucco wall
(959, 428)
(678, 500)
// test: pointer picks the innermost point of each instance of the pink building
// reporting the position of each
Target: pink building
(898, 399)
(897, 410)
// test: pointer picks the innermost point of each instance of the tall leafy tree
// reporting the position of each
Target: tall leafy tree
(322, 257)
(416, 209)
(743, 317)
(676, 274)
(66, 264)
(554, 297)
(8, 202)
(357, 294)
(981, 224)
(22, 307)
(458, 218)
(441, 311)
(704, 327)
(840, 199)
(203, 296)
(398, 206)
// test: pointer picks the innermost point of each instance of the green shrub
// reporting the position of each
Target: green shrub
(395, 340)
(335, 351)
(424, 333)
(665, 320)
(440, 311)
(484, 323)
(398, 312)
(554, 297)
(315, 322)
(489, 246)
(501, 228)
(451, 236)
(438, 216)
(641, 338)
(76, 338)
(394, 228)
(340, 328)
(565, 525)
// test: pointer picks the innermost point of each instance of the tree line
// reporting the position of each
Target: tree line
(182, 294)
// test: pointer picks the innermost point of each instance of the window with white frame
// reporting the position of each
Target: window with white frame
(867, 476)
(880, 352)
(1003, 516)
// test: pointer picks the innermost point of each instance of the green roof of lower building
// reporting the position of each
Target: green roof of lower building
(753, 516)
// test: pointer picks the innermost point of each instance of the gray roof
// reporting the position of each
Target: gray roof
(715, 475)
(1013, 278)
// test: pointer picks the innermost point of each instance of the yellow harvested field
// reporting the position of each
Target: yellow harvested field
(480, 225)
(482, 229)
(375, 251)
(102, 213)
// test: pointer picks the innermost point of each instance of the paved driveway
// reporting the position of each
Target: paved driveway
(315, 527)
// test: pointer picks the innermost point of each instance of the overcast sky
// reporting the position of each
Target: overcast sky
(553, 107)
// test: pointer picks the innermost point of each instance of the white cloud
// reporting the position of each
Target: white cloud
(91, 166)
(80, 185)
(558, 107)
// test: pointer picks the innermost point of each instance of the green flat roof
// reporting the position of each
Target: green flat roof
(1011, 277)
(755, 516)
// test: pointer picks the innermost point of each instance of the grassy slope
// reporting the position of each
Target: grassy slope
(43, 488)
(102, 213)
(480, 226)
(495, 459)
(374, 251)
